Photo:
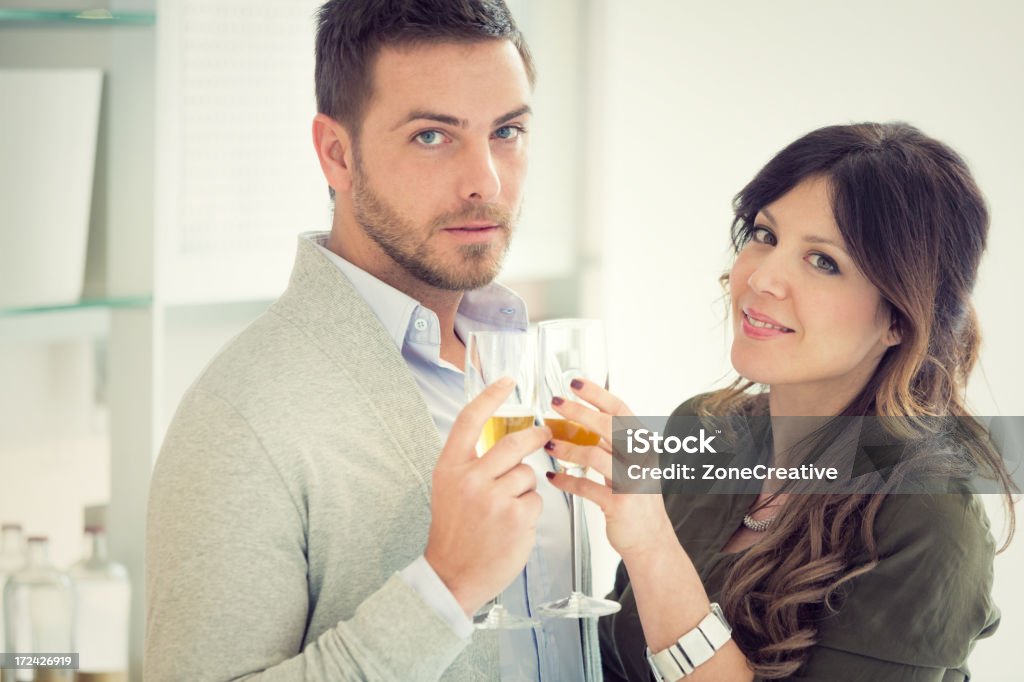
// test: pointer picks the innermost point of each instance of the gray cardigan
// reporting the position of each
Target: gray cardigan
(293, 483)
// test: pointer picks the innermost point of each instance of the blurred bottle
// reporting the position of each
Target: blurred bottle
(12, 557)
(103, 595)
(12, 548)
(39, 607)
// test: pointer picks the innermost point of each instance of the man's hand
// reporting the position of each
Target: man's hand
(484, 510)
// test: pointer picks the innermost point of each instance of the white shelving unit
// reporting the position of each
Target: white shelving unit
(51, 350)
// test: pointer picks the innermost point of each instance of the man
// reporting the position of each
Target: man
(305, 522)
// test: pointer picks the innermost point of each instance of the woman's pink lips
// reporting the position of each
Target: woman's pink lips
(761, 332)
(761, 317)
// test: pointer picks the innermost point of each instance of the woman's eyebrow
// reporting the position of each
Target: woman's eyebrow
(814, 239)
(811, 239)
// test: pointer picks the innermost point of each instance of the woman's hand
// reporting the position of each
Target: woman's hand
(636, 523)
(670, 598)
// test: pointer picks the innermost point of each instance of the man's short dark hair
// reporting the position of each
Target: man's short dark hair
(350, 33)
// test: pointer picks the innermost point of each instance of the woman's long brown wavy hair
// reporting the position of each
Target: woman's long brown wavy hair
(916, 224)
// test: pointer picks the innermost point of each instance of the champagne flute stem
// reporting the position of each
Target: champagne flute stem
(575, 532)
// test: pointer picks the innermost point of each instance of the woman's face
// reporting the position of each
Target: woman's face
(804, 316)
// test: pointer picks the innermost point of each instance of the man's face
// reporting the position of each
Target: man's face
(440, 162)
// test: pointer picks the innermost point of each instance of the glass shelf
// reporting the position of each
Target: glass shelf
(84, 17)
(74, 322)
(85, 304)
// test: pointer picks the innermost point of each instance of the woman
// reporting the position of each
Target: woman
(856, 251)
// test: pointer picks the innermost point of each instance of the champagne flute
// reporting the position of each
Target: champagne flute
(491, 355)
(567, 350)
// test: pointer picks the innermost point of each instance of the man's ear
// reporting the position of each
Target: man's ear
(334, 149)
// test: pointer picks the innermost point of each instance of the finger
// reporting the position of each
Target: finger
(461, 443)
(589, 456)
(517, 481)
(512, 449)
(600, 398)
(530, 505)
(589, 418)
(601, 495)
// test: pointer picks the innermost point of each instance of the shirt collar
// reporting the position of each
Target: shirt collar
(490, 307)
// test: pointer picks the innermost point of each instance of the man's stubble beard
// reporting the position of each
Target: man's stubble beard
(401, 241)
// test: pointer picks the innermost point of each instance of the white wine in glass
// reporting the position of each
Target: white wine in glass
(491, 355)
(571, 432)
(567, 350)
(502, 424)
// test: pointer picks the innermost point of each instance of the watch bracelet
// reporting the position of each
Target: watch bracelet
(692, 649)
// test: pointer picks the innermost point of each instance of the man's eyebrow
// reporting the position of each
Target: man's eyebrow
(525, 109)
(811, 239)
(426, 115)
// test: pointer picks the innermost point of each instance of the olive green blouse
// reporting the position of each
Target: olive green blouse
(914, 617)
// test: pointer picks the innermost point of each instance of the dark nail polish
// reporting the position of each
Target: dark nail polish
(576, 384)
(549, 474)
(557, 401)
(550, 445)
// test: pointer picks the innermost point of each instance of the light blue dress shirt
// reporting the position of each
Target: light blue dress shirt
(554, 651)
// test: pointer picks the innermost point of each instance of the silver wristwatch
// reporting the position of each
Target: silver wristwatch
(692, 649)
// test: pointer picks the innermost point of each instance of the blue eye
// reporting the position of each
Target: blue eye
(823, 263)
(430, 138)
(508, 132)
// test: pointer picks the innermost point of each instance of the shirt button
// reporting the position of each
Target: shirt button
(420, 324)
(507, 311)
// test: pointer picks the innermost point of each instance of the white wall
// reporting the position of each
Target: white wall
(697, 96)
